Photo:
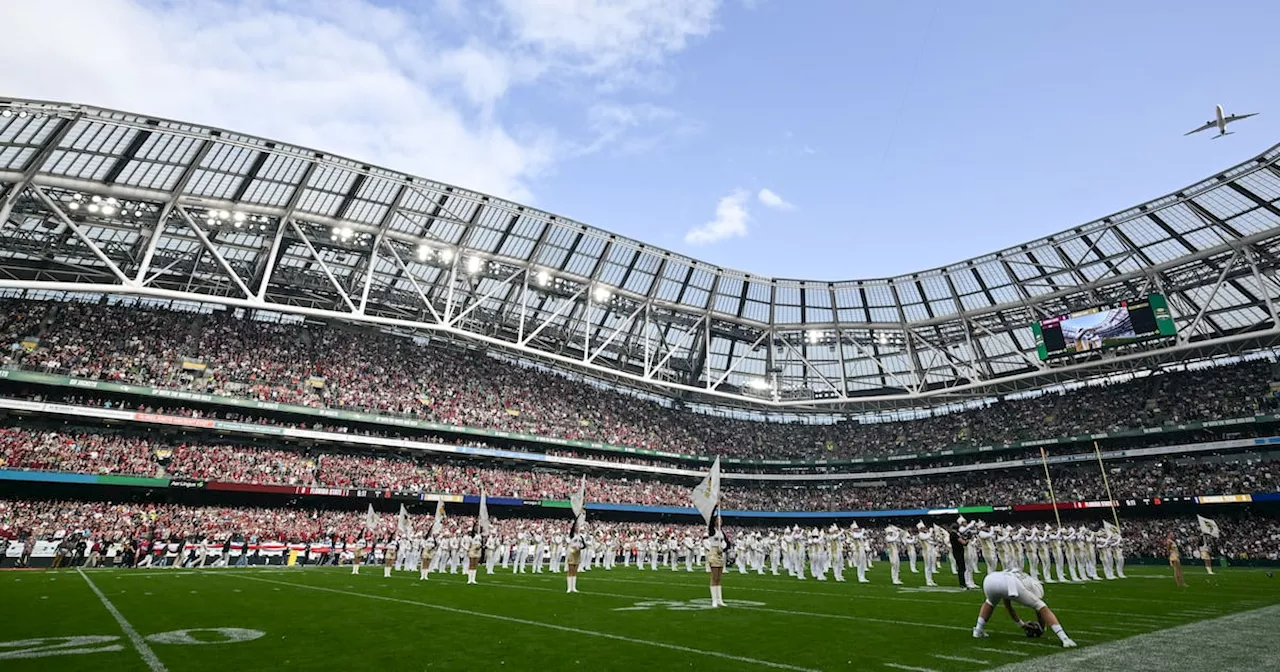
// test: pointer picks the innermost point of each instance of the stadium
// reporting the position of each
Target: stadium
(236, 370)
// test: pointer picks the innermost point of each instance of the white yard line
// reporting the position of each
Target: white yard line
(869, 619)
(550, 626)
(1155, 620)
(1005, 652)
(139, 644)
(791, 612)
(909, 668)
(962, 659)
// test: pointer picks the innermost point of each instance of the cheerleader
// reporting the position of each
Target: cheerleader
(1175, 560)
(355, 556)
(577, 542)
(475, 548)
(717, 544)
(388, 559)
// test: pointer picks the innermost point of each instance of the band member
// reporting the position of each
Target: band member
(428, 553)
(893, 537)
(1175, 560)
(577, 542)
(1206, 555)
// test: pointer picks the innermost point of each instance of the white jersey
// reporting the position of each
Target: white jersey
(1013, 585)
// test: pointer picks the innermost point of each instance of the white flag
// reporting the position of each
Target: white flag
(484, 513)
(1208, 526)
(706, 497)
(438, 523)
(403, 527)
(371, 519)
(578, 499)
(1110, 528)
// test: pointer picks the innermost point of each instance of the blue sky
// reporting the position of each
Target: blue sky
(890, 137)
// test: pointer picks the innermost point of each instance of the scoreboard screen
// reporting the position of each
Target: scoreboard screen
(1104, 327)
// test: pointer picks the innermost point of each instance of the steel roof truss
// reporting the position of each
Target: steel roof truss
(589, 358)
(217, 255)
(570, 303)
(413, 280)
(80, 233)
(504, 283)
(315, 256)
(809, 367)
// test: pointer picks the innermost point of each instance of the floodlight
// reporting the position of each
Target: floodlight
(474, 264)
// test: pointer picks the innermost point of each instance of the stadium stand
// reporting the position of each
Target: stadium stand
(385, 374)
(121, 454)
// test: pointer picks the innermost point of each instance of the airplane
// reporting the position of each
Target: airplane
(1220, 122)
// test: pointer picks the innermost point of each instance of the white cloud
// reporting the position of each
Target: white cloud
(484, 75)
(633, 129)
(770, 199)
(608, 35)
(354, 77)
(342, 80)
(731, 221)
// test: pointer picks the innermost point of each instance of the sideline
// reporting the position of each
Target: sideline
(1243, 641)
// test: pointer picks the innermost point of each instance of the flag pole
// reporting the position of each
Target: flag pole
(1106, 482)
(1044, 460)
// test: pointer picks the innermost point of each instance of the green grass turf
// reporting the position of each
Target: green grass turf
(326, 617)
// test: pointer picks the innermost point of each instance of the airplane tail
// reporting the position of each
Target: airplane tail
(1224, 133)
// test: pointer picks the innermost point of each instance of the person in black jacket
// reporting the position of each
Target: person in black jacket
(958, 543)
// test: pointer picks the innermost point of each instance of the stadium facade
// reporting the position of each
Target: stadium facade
(101, 201)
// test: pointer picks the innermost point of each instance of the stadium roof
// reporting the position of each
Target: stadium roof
(106, 201)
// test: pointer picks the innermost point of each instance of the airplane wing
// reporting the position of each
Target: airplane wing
(1207, 125)
(1238, 117)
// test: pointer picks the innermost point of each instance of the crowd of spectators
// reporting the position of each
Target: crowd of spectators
(1243, 537)
(346, 366)
(127, 454)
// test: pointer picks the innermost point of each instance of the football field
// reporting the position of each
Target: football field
(325, 618)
